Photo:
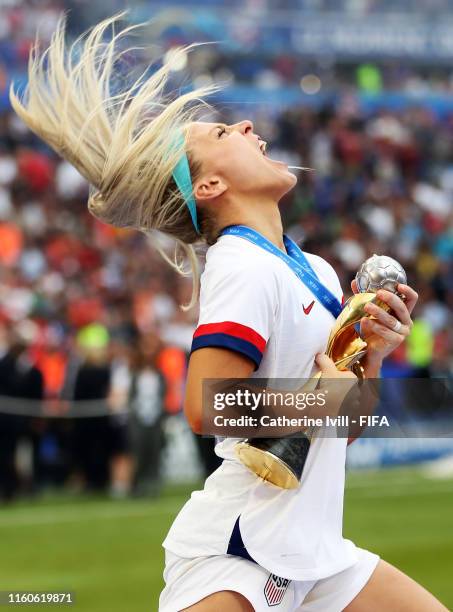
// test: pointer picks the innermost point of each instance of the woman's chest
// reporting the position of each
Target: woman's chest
(301, 330)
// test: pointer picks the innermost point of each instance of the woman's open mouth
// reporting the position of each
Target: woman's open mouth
(262, 145)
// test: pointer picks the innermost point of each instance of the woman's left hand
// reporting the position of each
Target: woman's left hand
(385, 332)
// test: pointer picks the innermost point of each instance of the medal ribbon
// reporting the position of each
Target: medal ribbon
(295, 259)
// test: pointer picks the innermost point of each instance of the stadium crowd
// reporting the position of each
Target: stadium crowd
(90, 324)
(248, 58)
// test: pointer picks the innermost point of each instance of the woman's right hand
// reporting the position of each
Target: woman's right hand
(329, 369)
(337, 384)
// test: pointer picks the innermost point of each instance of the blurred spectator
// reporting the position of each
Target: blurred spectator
(146, 400)
(19, 378)
(209, 460)
(92, 434)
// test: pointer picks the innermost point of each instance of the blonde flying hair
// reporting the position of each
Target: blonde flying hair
(126, 141)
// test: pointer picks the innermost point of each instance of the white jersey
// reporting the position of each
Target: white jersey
(253, 303)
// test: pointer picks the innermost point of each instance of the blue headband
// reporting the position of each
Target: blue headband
(182, 178)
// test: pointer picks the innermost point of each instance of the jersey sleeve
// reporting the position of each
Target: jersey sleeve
(237, 310)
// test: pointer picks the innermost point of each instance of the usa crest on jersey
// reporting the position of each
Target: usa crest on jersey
(275, 589)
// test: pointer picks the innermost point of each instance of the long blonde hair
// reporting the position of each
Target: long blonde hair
(123, 142)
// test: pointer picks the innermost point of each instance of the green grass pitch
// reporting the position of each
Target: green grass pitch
(109, 552)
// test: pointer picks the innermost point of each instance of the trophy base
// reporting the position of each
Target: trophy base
(261, 456)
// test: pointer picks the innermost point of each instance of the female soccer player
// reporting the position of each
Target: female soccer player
(240, 544)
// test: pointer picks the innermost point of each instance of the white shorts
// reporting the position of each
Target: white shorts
(191, 580)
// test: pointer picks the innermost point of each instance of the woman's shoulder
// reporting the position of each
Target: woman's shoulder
(230, 265)
(321, 264)
(231, 254)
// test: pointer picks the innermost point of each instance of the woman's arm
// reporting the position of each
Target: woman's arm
(210, 362)
(223, 364)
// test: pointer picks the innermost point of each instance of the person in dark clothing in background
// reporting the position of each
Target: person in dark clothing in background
(209, 460)
(19, 378)
(146, 396)
(92, 434)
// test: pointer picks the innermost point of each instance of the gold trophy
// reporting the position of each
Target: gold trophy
(281, 460)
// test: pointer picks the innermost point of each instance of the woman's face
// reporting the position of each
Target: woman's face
(234, 153)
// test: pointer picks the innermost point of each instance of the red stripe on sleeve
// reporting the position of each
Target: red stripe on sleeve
(232, 329)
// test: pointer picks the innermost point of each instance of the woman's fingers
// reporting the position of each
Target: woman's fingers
(329, 369)
(325, 364)
(337, 384)
(410, 295)
(387, 319)
(397, 305)
(391, 337)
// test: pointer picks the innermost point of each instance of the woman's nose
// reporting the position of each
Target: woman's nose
(244, 126)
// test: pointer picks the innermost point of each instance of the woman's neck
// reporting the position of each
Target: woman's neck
(265, 220)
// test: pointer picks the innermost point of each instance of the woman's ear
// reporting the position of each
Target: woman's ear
(209, 188)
